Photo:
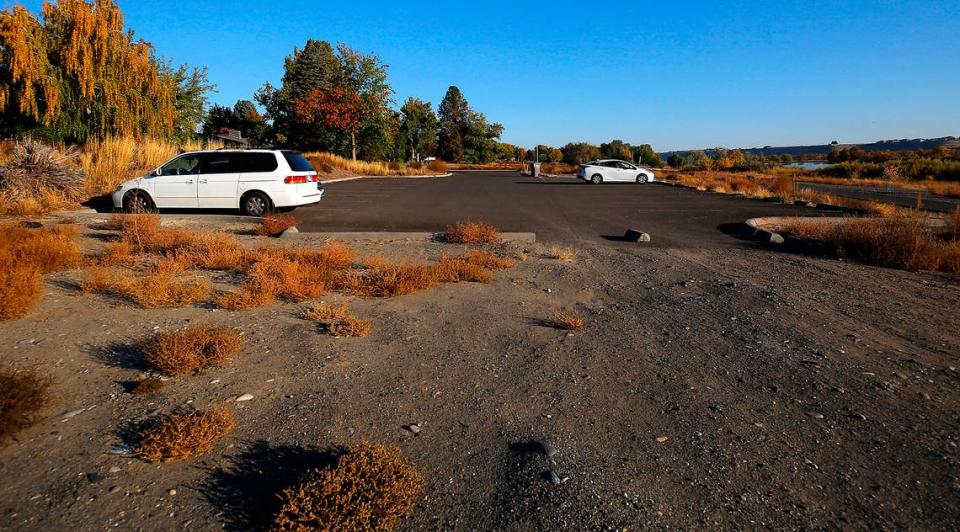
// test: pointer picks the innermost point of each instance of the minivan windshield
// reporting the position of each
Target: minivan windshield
(297, 162)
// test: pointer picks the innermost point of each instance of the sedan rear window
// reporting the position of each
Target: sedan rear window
(297, 162)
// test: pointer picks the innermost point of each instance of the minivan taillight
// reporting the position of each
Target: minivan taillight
(295, 179)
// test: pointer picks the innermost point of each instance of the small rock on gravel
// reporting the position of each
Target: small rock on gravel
(546, 448)
(552, 476)
(245, 397)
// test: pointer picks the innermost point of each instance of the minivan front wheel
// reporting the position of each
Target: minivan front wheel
(255, 204)
(137, 202)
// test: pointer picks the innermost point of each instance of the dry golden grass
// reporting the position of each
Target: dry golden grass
(325, 162)
(351, 326)
(148, 385)
(110, 161)
(436, 167)
(115, 254)
(25, 255)
(372, 487)
(561, 254)
(23, 394)
(568, 321)
(204, 250)
(894, 243)
(327, 313)
(21, 286)
(191, 350)
(489, 261)
(387, 281)
(275, 224)
(185, 436)
(163, 285)
(459, 269)
(472, 233)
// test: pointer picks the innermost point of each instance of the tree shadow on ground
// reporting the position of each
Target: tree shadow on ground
(247, 491)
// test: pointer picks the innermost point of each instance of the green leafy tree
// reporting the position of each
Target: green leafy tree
(580, 152)
(555, 155)
(453, 123)
(675, 161)
(363, 93)
(192, 86)
(616, 149)
(418, 129)
(645, 155)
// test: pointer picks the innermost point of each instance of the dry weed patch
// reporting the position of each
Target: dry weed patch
(894, 243)
(162, 286)
(458, 269)
(472, 233)
(568, 321)
(191, 350)
(185, 436)
(351, 326)
(372, 487)
(327, 313)
(275, 224)
(23, 394)
(25, 255)
(561, 254)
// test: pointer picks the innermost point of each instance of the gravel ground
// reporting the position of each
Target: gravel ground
(726, 387)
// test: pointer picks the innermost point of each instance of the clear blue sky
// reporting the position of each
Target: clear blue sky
(675, 74)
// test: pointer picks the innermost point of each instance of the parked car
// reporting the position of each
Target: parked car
(613, 170)
(255, 181)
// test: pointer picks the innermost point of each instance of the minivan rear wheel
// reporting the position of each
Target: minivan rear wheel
(596, 179)
(255, 204)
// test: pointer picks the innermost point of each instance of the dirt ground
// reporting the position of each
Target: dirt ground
(731, 387)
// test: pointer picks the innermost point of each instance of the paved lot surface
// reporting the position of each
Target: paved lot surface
(892, 195)
(557, 209)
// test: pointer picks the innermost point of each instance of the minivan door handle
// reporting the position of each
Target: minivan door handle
(203, 181)
(189, 181)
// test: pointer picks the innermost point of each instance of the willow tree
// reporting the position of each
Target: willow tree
(74, 72)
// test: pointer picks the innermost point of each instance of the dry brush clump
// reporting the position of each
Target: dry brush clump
(472, 233)
(23, 393)
(372, 487)
(191, 350)
(351, 326)
(894, 243)
(185, 436)
(339, 321)
(275, 224)
(38, 178)
(568, 321)
(561, 254)
(26, 254)
(163, 285)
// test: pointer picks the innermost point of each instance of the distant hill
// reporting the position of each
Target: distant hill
(824, 149)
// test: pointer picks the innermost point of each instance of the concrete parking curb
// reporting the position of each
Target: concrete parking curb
(397, 235)
(234, 218)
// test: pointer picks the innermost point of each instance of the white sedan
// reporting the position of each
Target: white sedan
(613, 170)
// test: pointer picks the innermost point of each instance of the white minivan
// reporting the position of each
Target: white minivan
(255, 181)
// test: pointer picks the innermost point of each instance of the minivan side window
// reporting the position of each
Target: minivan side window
(185, 165)
(254, 162)
(216, 163)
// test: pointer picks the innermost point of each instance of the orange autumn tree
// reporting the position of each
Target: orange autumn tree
(74, 72)
(335, 108)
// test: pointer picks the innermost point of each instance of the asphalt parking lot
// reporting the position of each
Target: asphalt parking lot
(556, 209)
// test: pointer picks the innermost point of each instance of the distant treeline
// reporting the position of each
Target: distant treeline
(819, 152)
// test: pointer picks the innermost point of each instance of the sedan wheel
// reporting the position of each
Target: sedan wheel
(642, 178)
(596, 179)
